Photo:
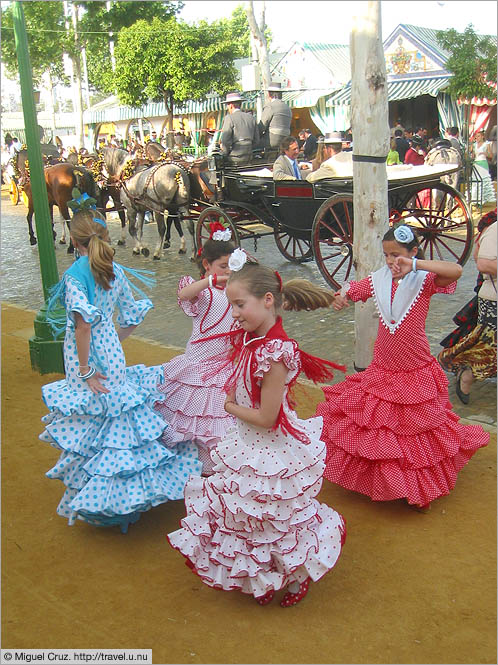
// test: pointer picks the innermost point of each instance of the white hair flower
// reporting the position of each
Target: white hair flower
(403, 234)
(225, 235)
(237, 259)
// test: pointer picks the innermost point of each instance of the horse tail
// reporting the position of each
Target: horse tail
(85, 182)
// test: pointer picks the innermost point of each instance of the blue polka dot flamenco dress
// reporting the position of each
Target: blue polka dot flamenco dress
(112, 460)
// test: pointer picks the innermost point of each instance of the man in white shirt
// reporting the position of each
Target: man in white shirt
(338, 164)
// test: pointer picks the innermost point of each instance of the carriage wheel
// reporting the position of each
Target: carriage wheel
(443, 222)
(13, 192)
(332, 239)
(294, 249)
(25, 198)
(209, 215)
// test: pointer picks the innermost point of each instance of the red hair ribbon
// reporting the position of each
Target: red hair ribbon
(199, 251)
(279, 280)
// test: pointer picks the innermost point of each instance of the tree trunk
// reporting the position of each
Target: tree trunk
(75, 59)
(370, 127)
(258, 34)
(168, 101)
(50, 86)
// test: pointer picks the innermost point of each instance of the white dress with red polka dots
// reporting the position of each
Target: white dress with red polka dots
(390, 430)
(194, 405)
(255, 525)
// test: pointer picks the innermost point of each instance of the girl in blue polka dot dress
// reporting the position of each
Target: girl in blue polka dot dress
(112, 460)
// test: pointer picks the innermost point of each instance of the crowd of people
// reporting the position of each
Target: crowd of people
(216, 426)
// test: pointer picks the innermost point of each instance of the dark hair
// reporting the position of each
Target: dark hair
(452, 131)
(294, 295)
(287, 142)
(398, 132)
(407, 245)
(212, 250)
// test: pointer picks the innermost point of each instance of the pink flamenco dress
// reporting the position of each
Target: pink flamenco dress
(194, 406)
(255, 525)
(390, 430)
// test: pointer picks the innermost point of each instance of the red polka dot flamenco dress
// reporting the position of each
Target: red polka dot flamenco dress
(390, 430)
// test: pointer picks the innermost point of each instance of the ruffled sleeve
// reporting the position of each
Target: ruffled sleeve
(361, 290)
(190, 307)
(277, 350)
(430, 284)
(76, 300)
(131, 312)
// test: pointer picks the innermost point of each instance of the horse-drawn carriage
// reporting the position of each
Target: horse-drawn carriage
(315, 220)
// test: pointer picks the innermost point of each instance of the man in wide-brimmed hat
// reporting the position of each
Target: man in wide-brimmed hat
(337, 163)
(275, 121)
(239, 134)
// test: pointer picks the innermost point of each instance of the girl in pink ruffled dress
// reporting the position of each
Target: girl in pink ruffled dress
(255, 525)
(390, 430)
(193, 405)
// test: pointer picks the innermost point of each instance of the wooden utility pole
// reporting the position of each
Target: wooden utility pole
(370, 127)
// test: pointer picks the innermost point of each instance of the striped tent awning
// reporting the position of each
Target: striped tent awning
(115, 112)
(398, 90)
(298, 99)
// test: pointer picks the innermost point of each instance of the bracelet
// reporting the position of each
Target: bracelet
(88, 375)
(215, 279)
(414, 264)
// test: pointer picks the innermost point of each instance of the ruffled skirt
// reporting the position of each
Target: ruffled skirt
(255, 525)
(194, 407)
(112, 461)
(393, 435)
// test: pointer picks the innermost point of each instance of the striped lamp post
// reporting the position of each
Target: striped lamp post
(45, 352)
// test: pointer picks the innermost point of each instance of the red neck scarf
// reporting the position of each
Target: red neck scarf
(242, 355)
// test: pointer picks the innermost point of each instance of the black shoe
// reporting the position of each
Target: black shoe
(463, 397)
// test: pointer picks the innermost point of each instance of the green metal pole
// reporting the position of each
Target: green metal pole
(45, 352)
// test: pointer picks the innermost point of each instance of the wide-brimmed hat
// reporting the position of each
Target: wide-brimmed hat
(332, 137)
(232, 97)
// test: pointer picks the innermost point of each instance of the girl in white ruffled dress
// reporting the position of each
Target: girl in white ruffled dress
(255, 525)
(112, 460)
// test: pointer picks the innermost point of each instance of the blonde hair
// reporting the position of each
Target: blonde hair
(319, 157)
(95, 237)
(294, 295)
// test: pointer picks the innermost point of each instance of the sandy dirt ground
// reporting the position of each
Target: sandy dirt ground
(408, 588)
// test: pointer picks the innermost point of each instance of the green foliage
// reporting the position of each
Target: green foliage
(45, 48)
(172, 61)
(95, 24)
(238, 27)
(472, 62)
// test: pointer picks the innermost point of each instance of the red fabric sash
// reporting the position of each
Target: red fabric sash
(242, 356)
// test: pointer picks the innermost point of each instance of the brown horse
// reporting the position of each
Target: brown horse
(60, 180)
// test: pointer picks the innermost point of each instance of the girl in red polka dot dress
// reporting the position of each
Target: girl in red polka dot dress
(193, 405)
(255, 525)
(390, 430)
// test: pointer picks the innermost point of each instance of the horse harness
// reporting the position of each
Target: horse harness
(143, 197)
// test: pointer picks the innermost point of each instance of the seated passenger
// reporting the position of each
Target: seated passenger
(285, 166)
(337, 164)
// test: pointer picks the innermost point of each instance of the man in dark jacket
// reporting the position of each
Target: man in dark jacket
(402, 144)
(239, 134)
(275, 122)
(310, 145)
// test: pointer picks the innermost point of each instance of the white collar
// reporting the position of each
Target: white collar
(407, 293)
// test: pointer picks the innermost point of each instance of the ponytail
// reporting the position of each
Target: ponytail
(301, 294)
(88, 229)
